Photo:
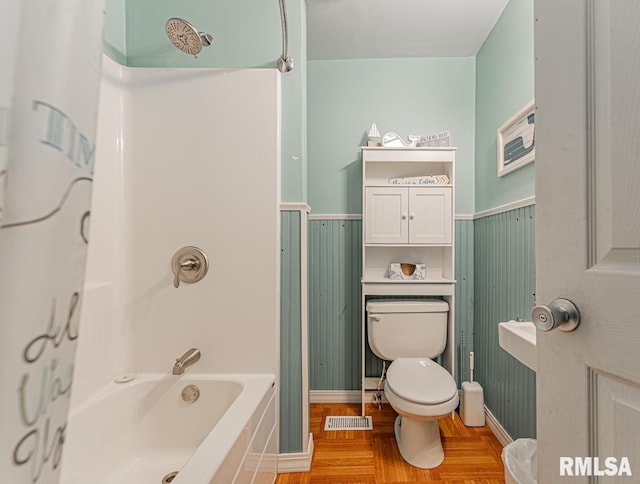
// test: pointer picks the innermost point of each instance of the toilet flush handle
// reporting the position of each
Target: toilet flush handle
(374, 318)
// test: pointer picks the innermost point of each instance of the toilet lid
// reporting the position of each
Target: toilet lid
(420, 380)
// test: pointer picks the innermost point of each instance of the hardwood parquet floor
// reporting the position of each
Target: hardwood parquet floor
(472, 455)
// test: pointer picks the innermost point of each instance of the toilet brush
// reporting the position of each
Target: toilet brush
(471, 366)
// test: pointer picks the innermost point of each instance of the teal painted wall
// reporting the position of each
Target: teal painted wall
(335, 261)
(504, 84)
(115, 37)
(407, 96)
(290, 334)
(504, 290)
(294, 107)
(335, 268)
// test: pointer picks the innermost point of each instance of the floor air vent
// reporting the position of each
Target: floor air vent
(348, 423)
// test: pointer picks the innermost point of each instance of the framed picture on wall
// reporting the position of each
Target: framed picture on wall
(516, 140)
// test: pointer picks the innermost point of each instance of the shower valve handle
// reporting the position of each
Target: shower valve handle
(185, 265)
(188, 264)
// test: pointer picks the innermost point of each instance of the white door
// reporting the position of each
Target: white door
(430, 215)
(386, 215)
(588, 235)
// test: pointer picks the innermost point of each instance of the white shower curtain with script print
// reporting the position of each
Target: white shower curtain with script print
(50, 56)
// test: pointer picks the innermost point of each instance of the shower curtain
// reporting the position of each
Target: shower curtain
(50, 59)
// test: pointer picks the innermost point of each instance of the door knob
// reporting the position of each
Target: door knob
(560, 313)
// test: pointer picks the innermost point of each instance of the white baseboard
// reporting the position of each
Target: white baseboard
(298, 462)
(496, 427)
(341, 396)
(334, 396)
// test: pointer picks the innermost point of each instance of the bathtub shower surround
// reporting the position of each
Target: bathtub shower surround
(51, 58)
(180, 173)
(174, 170)
(228, 434)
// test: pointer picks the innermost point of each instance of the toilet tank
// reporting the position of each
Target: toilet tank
(407, 329)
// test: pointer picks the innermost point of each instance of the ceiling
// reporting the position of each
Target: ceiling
(364, 29)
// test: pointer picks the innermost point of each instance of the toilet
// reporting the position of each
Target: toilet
(412, 334)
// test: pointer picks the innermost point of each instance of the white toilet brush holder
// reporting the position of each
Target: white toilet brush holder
(472, 401)
(472, 404)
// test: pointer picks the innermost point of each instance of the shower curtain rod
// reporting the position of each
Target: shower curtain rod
(285, 63)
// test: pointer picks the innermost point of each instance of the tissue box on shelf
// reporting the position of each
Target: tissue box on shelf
(401, 271)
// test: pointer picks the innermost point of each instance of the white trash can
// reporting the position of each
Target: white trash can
(520, 460)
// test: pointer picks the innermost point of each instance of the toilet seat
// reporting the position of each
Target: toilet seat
(421, 381)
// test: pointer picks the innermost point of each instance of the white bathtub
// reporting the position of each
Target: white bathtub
(138, 432)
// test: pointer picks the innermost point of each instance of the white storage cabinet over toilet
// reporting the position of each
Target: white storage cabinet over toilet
(408, 207)
(408, 217)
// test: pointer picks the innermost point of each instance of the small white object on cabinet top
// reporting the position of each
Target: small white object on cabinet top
(374, 134)
(395, 140)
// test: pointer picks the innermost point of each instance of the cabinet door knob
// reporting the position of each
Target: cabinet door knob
(403, 216)
(412, 216)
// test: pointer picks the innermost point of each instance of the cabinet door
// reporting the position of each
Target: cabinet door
(386, 214)
(430, 216)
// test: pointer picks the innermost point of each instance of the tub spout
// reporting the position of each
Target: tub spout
(186, 360)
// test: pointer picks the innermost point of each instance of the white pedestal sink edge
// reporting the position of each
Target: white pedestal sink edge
(518, 338)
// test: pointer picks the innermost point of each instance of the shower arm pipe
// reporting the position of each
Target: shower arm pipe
(285, 63)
